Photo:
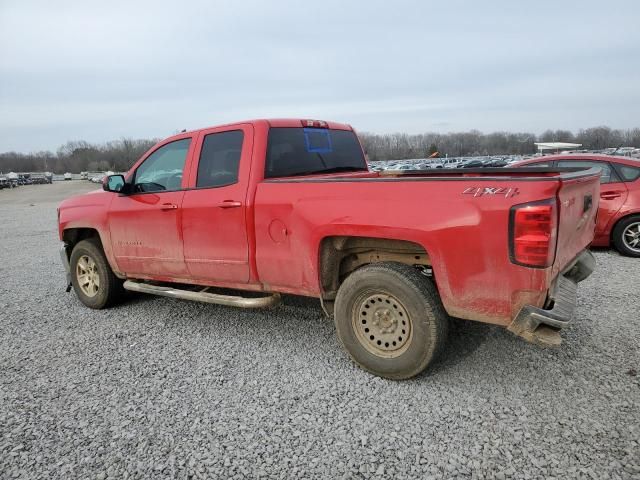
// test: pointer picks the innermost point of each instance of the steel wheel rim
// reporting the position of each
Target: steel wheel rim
(381, 324)
(631, 236)
(87, 276)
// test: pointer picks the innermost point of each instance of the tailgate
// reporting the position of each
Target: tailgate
(577, 206)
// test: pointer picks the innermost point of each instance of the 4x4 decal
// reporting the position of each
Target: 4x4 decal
(506, 192)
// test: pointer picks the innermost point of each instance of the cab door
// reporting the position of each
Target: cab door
(613, 191)
(145, 224)
(214, 209)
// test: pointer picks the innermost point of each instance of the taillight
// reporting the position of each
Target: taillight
(533, 231)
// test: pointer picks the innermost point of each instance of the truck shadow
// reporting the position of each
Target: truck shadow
(465, 338)
(609, 250)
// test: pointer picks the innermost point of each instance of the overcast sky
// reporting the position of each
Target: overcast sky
(104, 70)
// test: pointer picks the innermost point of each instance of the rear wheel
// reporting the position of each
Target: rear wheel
(390, 319)
(91, 276)
(626, 236)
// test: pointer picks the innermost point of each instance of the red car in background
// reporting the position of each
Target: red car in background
(619, 211)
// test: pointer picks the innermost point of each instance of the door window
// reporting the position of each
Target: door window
(629, 174)
(162, 170)
(220, 159)
(608, 175)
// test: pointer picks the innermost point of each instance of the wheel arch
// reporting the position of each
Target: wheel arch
(622, 218)
(341, 255)
(614, 226)
(72, 236)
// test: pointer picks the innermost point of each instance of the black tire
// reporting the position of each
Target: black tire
(619, 232)
(110, 290)
(376, 290)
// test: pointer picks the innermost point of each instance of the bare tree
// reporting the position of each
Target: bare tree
(119, 155)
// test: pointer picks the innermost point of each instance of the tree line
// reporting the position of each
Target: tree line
(79, 156)
(119, 155)
(398, 146)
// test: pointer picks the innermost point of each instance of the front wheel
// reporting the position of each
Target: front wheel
(91, 276)
(626, 236)
(390, 319)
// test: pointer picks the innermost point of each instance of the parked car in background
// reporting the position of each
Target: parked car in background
(13, 179)
(4, 183)
(41, 178)
(25, 179)
(473, 164)
(497, 162)
(619, 212)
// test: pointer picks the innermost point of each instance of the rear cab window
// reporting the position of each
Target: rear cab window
(294, 151)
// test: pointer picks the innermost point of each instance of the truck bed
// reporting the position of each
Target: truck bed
(459, 216)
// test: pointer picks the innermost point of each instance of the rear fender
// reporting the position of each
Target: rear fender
(416, 237)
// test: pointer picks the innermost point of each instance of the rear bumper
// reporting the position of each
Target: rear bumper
(542, 326)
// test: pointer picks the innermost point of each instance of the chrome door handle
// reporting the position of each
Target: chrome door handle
(230, 204)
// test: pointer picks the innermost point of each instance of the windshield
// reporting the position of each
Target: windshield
(305, 151)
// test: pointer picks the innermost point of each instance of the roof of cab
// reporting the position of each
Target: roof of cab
(299, 122)
(272, 122)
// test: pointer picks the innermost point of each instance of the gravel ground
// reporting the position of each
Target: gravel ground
(161, 388)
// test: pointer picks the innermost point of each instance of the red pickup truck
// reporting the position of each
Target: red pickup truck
(241, 213)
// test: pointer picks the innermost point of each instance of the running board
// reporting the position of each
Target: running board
(203, 295)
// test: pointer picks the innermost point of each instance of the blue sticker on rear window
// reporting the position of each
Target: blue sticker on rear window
(317, 140)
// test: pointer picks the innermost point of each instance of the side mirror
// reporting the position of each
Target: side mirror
(113, 183)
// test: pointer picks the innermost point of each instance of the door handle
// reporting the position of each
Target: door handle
(230, 204)
(168, 206)
(610, 195)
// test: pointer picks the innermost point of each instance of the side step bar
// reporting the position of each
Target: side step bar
(203, 295)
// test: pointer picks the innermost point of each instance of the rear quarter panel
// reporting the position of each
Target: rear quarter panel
(631, 205)
(466, 236)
